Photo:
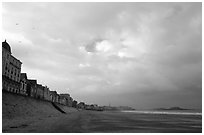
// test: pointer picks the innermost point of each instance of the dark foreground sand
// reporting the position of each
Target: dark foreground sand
(109, 122)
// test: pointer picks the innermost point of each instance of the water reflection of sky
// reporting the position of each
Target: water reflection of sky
(165, 112)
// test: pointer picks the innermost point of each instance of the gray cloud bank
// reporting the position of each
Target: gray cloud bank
(138, 54)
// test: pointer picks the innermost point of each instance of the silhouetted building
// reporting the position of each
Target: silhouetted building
(11, 69)
(74, 103)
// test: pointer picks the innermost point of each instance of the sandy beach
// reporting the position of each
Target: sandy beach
(105, 122)
(28, 115)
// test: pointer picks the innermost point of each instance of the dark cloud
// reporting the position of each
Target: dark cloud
(91, 47)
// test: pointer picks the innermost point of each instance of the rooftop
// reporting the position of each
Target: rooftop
(6, 46)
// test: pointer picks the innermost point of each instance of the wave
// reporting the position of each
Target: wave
(163, 112)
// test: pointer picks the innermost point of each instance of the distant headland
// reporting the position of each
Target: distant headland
(117, 108)
(172, 108)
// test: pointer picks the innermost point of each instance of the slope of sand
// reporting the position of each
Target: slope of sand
(19, 111)
(24, 115)
(111, 122)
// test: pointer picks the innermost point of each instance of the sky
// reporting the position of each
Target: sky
(143, 55)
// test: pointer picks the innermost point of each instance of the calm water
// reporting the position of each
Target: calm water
(166, 112)
(184, 121)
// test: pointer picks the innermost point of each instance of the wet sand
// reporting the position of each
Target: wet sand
(105, 122)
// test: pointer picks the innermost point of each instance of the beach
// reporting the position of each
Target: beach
(106, 122)
(29, 115)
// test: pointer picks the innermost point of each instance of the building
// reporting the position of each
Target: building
(46, 93)
(58, 98)
(70, 102)
(68, 99)
(11, 69)
(40, 91)
(31, 88)
(81, 105)
(62, 100)
(53, 96)
(23, 81)
(74, 104)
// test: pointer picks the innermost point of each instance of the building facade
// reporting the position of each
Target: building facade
(81, 105)
(62, 100)
(40, 91)
(58, 98)
(11, 69)
(53, 96)
(68, 99)
(46, 93)
(23, 81)
(31, 88)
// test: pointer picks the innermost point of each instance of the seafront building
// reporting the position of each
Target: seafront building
(23, 81)
(68, 100)
(46, 94)
(53, 96)
(40, 91)
(31, 87)
(81, 105)
(16, 82)
(11, 69)
(62, 100)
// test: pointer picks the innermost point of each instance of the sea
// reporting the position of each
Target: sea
(168, 121)
(167, 112)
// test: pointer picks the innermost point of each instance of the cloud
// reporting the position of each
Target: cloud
(84, 65)
(144, 51)
(91, 47)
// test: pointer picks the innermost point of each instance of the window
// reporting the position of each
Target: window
(12, 70)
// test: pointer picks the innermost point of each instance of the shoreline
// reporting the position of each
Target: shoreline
(166, 112)
(107, 122)
(27, 115)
